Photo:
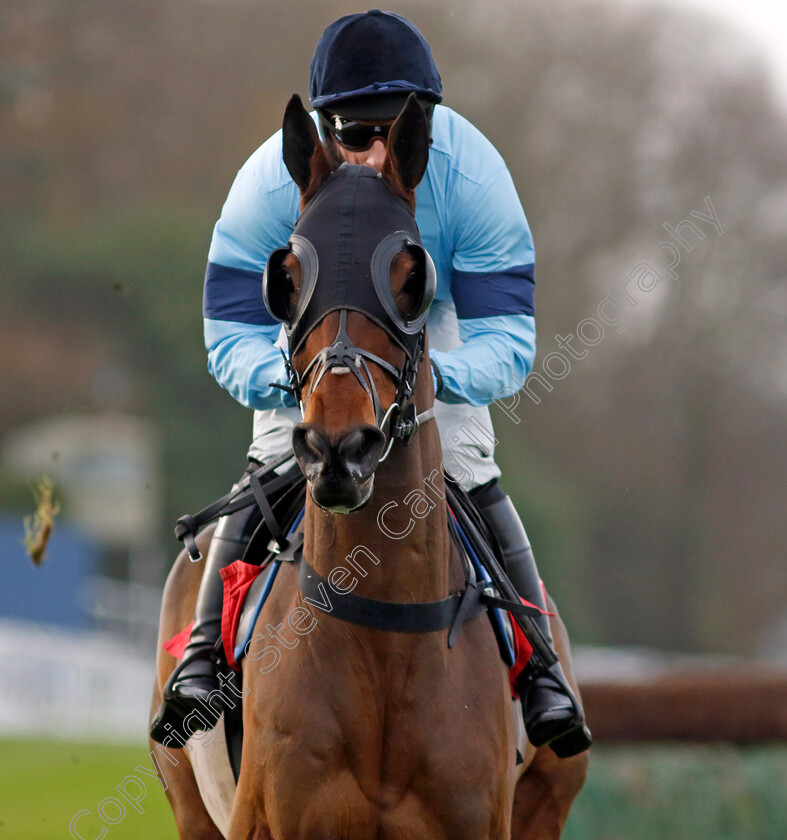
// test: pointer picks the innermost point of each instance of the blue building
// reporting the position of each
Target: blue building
(56, 591)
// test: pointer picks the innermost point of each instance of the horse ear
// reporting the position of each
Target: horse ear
(408, 146)
(304, 154)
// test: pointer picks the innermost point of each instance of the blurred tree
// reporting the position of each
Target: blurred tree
(629, 119)
(651, 477)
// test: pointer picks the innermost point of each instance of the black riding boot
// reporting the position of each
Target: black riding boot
(552, 714)
(194, 686)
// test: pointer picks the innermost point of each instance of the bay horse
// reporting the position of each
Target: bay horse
(363, 733)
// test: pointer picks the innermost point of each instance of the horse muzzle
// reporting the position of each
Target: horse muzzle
(340, 472)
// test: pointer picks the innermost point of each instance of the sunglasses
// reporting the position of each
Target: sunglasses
(355, 136)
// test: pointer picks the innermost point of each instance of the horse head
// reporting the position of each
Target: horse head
(353, 289)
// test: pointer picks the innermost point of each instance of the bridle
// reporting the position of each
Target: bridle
(400, 420)
(355, 276)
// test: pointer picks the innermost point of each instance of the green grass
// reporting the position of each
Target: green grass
(43, 784)
(633, 793)
(683, 793)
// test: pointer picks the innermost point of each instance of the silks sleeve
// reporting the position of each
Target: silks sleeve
(492, 284)
(240, 334)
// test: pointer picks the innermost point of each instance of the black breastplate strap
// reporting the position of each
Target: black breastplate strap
(391, 616)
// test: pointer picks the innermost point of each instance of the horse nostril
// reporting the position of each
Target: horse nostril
(360, 450)
(354, 457)
(310, 446)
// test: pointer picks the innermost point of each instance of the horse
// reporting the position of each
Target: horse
(365, 732)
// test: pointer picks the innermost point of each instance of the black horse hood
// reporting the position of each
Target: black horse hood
(348, 235)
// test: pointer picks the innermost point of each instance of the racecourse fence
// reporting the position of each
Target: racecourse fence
(640, 696)
(72, 684)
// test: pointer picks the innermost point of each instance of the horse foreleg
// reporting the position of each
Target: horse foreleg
(547, 789)
(544, 795)
(177, 777)
(247, 824)
(174, 768)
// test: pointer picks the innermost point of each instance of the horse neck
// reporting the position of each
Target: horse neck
(412, 567)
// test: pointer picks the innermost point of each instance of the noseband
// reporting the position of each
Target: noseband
(344, 237)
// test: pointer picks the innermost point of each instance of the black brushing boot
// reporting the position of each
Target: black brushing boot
(194, 685)
(551, 712)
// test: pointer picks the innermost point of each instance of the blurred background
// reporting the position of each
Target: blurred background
(651, 476)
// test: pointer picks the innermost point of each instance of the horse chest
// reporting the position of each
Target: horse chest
(403, 746)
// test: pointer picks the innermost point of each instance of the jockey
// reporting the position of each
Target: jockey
(481, 325)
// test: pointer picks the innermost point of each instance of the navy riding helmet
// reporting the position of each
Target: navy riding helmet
(366, 65)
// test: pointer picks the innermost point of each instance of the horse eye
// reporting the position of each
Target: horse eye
(290, 292)
(283, 292)
(411, 291)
